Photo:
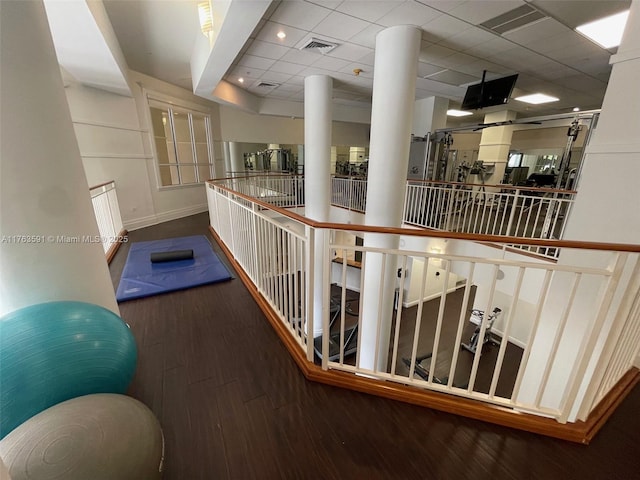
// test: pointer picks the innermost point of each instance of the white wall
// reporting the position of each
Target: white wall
(240, 126)
(115, 140)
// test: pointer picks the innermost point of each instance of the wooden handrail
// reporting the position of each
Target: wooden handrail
(103, 184)
(617, 247)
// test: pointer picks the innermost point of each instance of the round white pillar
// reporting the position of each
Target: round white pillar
(318, 92)
(227, 159)
(46, 215)
(394, 84)
(237, 159)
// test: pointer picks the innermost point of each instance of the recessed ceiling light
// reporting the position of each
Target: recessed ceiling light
(241, 80)
(458, 113)
(537, 98)
(576, 109)
(281, 35)
(606, 32)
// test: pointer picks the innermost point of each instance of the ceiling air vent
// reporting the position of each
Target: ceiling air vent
(268, 85)
(516, 18)
(317, 45)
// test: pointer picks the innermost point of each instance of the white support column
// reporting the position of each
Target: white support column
(46, 215)
(227, 159)
(429, 114)
(495, 143)
(605, 210)
(394, 82)
(318, 92)
(237, 160)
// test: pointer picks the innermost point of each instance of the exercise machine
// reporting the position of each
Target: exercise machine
(350, 334)
(477, 317)
(424, 373)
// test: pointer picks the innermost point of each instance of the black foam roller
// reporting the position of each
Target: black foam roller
(172, 256)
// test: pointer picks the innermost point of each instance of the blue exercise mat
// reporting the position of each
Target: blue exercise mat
(141, 278)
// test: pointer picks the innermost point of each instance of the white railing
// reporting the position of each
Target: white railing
(107, 212)
(349, 193)
(282, 190)
(419, 340)
(493, 210)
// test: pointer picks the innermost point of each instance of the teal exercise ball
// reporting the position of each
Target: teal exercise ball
(52, 352)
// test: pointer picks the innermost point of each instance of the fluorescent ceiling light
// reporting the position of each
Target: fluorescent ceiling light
(537, 98)
(606, 32)
(458, 113)
(281, 35)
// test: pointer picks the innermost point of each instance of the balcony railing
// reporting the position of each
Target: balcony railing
(107, 212)
(435, 336)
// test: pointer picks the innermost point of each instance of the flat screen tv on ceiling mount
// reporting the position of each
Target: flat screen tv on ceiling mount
(488, 94)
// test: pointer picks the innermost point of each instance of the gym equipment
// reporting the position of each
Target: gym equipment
(477, 317)
(55, 351)
(171, 256)
(97, 437)
(350, 334)
(424, 373)
(141, 278)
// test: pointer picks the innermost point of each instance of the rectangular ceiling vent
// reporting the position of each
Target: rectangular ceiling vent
(513, 19)
(317, 45)
(268, 85)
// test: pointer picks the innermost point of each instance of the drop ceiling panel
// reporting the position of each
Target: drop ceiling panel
(409, 13)
(270, 31)
(267, 50)
(433, 53)
(255, 62)
(271, 76)
(451, 77)
(300, 57)
(331, 63)
(340, 26)
(367, 37)
(302, 15)
(426, 69)
(367, 71)
(467, 39)
(456, 59)
(577, 12)
(444, 27)
(531, 34)
(350, 51)
(367, 10)
(287, 67)
(247, 72)
(476, 12)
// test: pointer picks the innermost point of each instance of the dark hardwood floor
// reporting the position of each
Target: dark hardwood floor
(233, 405)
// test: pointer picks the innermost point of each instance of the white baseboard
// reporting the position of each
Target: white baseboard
(150, 220)
(513, 340)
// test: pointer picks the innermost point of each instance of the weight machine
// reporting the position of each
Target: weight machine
(477, 318)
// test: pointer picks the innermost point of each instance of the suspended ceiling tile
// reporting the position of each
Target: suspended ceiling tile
(331, 63)
(369, 59)
(340, 26)
(301, 15)
(331, 4)
(247, 72)
(409, 13)
(270, 31)
(476, 12)
(267, 50)
(454, 60)
(275, 77)
(443, 5)
(296, 80)
(467, 39)
(350, 51)
(287, 67)
(435, 52)
(531, 34)
(445, 26)
(255, 62)
(577, 12)
(367, 37)
(426, 69)
(367, 10)
(288, 87)
(300, 57)
(451, 77)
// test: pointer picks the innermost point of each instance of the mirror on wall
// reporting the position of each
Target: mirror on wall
(233, 158)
